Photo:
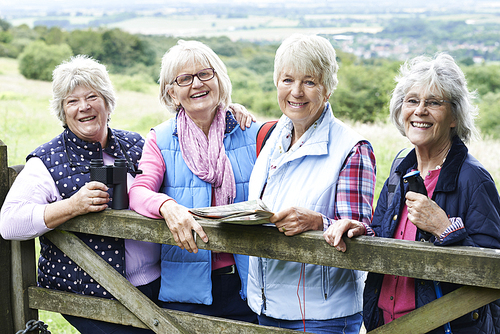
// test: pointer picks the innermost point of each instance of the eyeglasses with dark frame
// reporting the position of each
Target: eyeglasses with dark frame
(433, 104)
(187, 79)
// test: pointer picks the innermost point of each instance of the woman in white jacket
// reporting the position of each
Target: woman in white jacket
(312, 171)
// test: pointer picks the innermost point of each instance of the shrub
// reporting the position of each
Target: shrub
(87, 42)
(488, 120)
(38, 59)
(8, 50)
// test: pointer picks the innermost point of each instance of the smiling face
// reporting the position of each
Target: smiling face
(87, 115)
(199, 99)
(428, 126)
(301, 97)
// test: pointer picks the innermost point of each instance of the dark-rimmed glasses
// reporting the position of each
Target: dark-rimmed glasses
(433, 104)
(187, 79)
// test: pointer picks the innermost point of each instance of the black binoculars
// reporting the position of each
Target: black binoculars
(113, 176)
(416, 184)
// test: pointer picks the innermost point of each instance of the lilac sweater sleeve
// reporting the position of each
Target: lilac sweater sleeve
(143, 195)
(22, 214)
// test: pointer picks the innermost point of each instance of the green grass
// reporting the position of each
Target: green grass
(56, 323)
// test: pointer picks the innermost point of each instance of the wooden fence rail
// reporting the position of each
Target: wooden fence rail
(478, 269)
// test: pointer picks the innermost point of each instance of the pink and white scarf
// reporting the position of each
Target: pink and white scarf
(206, 157)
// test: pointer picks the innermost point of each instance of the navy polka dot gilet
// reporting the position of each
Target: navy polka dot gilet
(67, 158)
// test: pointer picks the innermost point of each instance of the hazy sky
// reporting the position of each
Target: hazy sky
(51, 5)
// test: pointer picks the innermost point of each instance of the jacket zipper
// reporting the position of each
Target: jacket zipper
(264, 299)
(261, 269)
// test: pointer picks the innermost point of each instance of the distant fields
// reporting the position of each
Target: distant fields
(249, 28)
(253, 28)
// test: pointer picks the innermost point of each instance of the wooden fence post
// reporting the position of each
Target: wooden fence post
(17, 262)
(5, 252)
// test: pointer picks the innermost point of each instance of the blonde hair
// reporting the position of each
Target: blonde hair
(83, 71)
(186, 53)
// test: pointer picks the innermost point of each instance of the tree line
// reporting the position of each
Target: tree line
(363, 92)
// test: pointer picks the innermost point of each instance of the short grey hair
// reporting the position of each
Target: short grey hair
(83, 71)
(442, 74)
(186, 53)
(309, 54)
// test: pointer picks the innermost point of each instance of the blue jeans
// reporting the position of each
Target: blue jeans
(346, 325)
(89, 326)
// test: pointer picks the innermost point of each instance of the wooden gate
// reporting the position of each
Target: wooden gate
(476, 268)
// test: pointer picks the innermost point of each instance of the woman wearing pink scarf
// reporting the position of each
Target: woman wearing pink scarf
(199, 158)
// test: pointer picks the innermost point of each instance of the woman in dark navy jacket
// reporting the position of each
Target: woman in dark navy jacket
(433, 108)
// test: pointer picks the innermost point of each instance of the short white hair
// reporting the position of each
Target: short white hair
(83, 71)
(310, 54)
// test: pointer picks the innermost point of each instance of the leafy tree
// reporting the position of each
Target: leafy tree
(484, 78)
(123, 49)
(87, 42)
(223, 46)
(38, 59)
(55, 36)
(262, 63)
(4, 25)
(5, 36)
(489, 120)
(8, 50)
(363, 92)
(247, 90)
(24, 32)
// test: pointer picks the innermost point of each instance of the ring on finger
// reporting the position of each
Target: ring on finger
(283, 229)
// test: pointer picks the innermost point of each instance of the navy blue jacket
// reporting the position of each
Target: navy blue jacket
(464, 189)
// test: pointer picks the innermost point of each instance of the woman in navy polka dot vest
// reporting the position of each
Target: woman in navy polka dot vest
(55, 186)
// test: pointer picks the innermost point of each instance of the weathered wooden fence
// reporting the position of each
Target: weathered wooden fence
(477, 269)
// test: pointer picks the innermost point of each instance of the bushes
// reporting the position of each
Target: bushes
(489, 112)
(38, 59)
(485, 80)
(122, 49)
(364, 91)
(86, 42)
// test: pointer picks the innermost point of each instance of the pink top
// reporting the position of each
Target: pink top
(145, 197)
(22, 218)
(397, 295)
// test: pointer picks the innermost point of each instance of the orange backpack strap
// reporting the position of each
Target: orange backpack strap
(264, 133)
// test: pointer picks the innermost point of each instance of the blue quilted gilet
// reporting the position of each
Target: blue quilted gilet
(186, 277)
(67, 158)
